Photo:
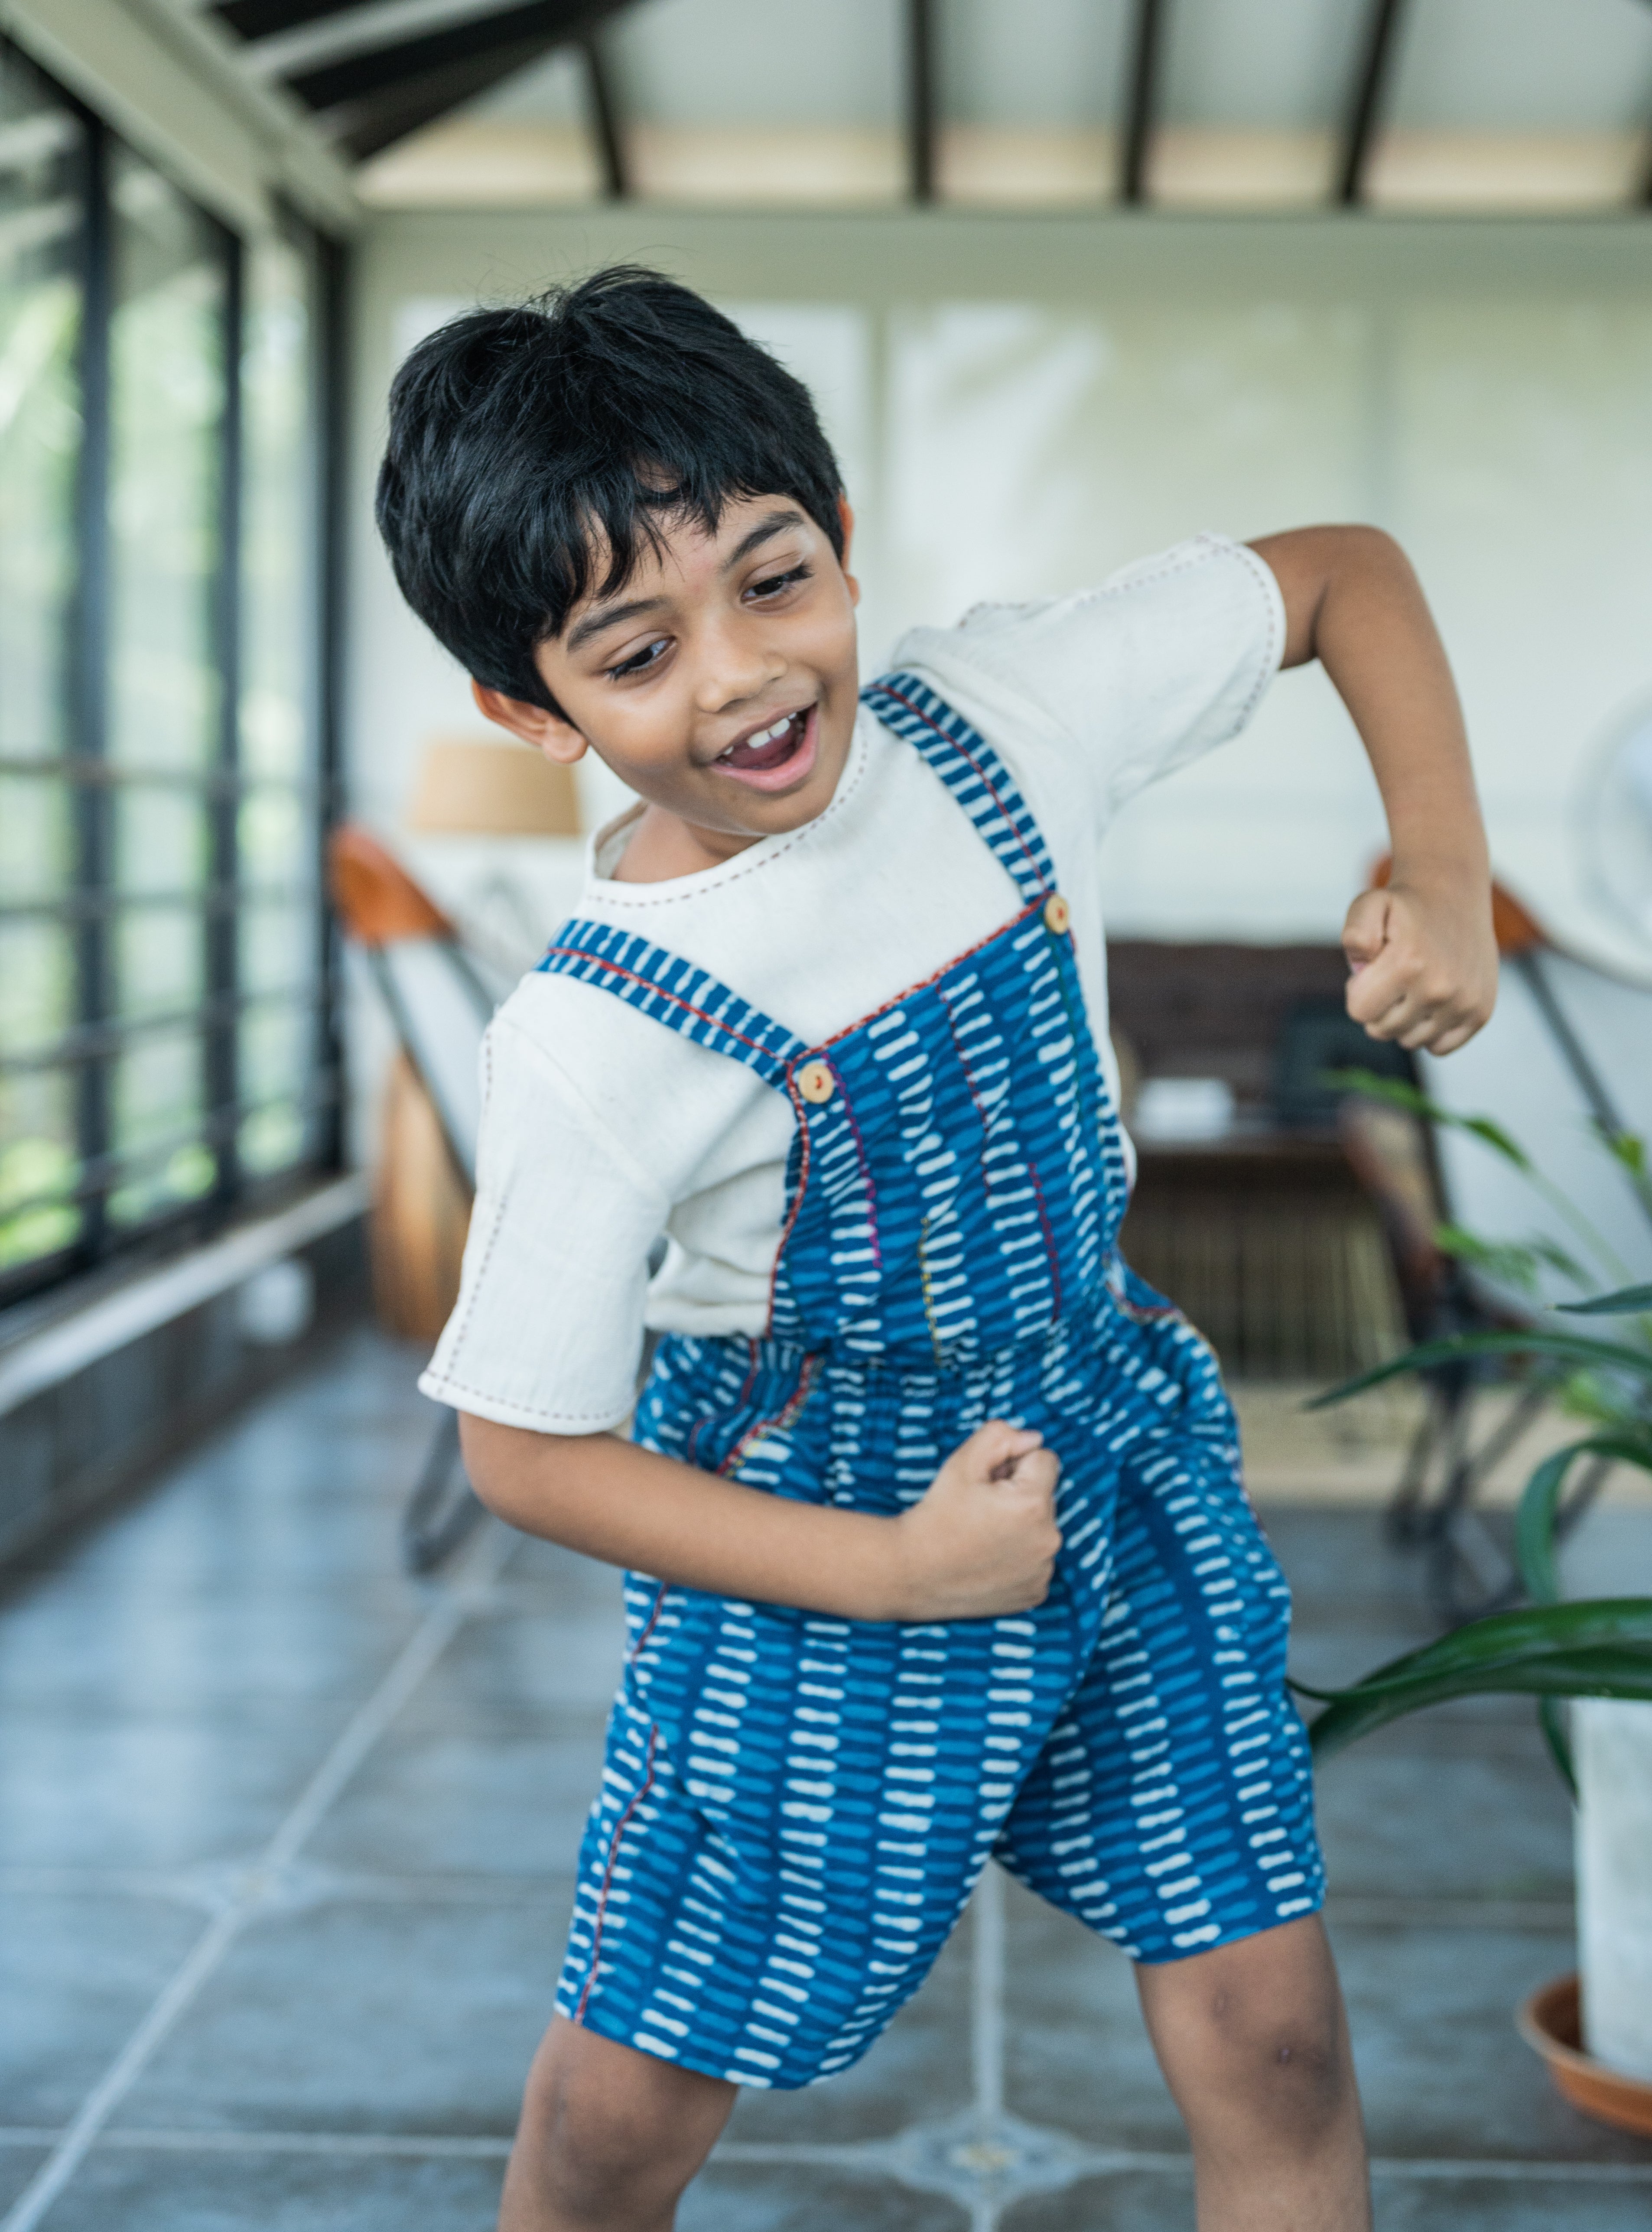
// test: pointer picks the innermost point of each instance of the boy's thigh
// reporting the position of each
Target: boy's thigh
(1171, 1809)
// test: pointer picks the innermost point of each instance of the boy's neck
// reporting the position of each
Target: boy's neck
(661, 847)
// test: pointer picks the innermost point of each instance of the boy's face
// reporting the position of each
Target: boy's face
(719, 682)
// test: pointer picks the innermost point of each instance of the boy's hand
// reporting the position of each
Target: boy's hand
(1424, 964)
(983, 1540)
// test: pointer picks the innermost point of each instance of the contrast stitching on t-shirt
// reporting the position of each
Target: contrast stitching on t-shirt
(839, 801)
(1263, 578)
(595, 1419)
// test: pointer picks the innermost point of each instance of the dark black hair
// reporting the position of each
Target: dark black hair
(529, 446)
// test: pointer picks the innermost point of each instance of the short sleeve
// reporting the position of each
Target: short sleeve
(1155, 666)
(548, 1329)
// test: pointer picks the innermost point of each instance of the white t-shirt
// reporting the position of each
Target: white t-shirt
(603, 1129)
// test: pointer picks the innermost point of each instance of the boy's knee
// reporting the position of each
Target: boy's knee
(611, 2137)
(1285, 2068)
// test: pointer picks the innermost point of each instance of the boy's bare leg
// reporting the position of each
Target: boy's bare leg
(1253, 2044)
(608, 2136)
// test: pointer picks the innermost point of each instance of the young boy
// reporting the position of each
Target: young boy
(937, 1543)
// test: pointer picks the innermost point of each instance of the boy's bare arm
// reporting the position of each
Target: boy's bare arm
(1424, 957)
(979, 1543)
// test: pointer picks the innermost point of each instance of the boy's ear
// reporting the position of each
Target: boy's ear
(846, 515)
(547, 732)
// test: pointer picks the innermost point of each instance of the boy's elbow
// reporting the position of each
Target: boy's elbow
(496, 1465)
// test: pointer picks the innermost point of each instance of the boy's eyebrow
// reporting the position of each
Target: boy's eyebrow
(607, 616)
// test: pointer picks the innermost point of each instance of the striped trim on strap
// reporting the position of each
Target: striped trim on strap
(973, 773)
(676, 993)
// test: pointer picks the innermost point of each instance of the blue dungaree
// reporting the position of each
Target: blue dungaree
(795, 1808)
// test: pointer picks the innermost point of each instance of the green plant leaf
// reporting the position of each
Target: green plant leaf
(1629, 1148)
(1562, 1348)
(1623, 1304)
(1604, 1673)
(1514, 1262)
(1398, 1094)
(1534, 1544)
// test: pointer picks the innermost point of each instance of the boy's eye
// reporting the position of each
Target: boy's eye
(640, 661)
(776, 582)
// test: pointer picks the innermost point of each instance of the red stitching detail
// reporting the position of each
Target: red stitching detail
(1049, 1233)
(782, 1418)
(924, 983)
(796, 1211)
(576, 953)
(607, 1872)
(918, 711)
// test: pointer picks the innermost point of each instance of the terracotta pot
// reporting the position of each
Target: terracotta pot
(1549, 2021)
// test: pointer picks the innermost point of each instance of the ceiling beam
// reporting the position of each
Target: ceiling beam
(363, 128)
(524, 29)
(922, 101)
(356, 31)
(1365, 109)
(261, 19)
(607, 130)
(1142, 94)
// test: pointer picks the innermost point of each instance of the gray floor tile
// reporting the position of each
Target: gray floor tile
(383, 2017)
(809, 2199)
(18, 2163)
(1076, 2053)
(1128, 2201)
(76, 1977)
(1446, 1815)
(1442, 2071)
(149, 1793)
(1497, 2204)
(140, 2191)
(509, 1804)
(531, 1662)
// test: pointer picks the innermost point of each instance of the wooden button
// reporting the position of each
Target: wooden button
(815, 1082)
(1057, 914)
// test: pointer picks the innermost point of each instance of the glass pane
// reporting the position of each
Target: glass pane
(279, 532)
(37, 984)
(41, 213)
(159, 960)
(279, 947)
(160, 839)
(37, 1167)
(158, 1102)
(277, 1048)
(166, 402)
(35, 838)
(277, 839)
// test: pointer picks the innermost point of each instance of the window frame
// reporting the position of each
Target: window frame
(91, 899)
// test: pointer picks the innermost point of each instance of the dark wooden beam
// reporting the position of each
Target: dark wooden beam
(367, 127)
(1141, 96)
(922, 100)
(606, 128)
(358, 77)
(1365, 109)
(261, 19)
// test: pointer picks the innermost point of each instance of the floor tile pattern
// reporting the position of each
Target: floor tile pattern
(286, 1852)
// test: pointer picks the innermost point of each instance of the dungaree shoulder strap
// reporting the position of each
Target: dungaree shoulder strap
(675, 993)
(973, 773)
(691, 1000)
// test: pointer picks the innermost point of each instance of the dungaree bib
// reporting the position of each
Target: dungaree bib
(795, 1808)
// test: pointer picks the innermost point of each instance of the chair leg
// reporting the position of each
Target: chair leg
(443, 1507)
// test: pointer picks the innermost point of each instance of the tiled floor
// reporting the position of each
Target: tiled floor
(284, 1852)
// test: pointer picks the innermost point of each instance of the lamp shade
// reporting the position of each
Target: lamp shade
(483, 787)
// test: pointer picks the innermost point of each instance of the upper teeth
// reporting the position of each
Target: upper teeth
(763, 737)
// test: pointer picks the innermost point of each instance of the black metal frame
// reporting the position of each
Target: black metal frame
(89, 907)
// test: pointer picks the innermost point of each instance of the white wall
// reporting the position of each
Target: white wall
(1022, 404)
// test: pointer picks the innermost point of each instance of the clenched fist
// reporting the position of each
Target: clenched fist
(984, 1538)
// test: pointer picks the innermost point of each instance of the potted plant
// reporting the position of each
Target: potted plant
(1597, 2040)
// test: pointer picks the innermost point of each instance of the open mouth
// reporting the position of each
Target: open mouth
(773, 757)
